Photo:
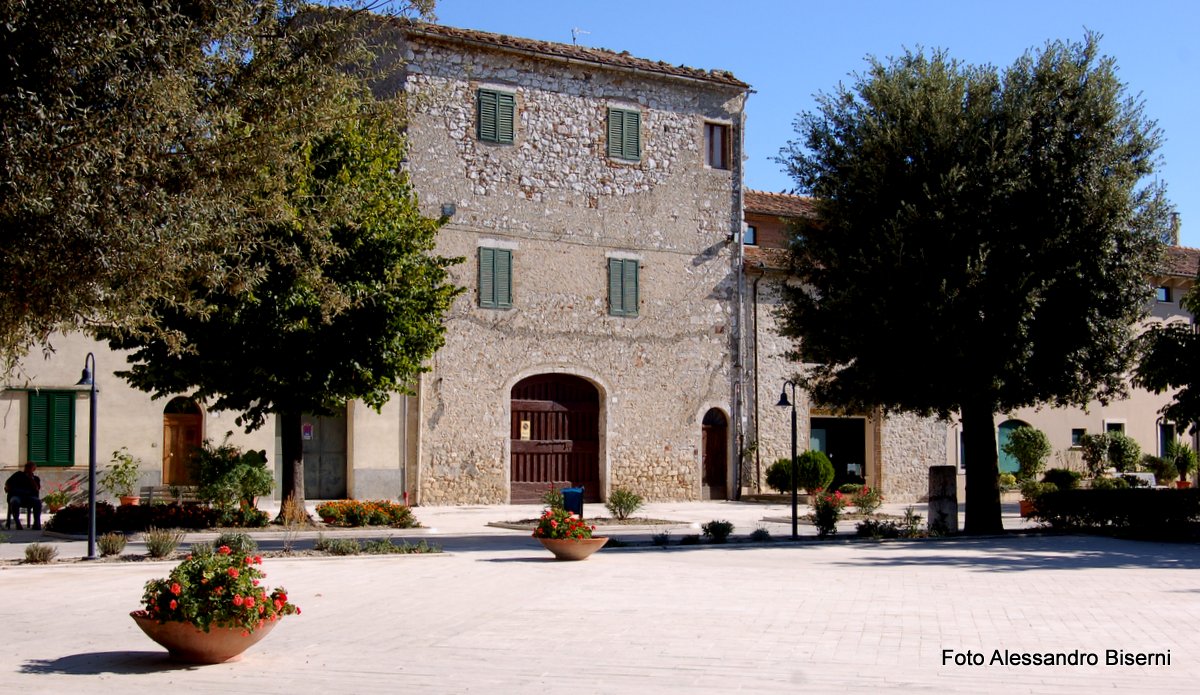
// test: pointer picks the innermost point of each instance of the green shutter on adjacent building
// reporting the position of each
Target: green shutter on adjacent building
(495, 278)
(623, 286)
(51, 430)
(624, 134)
(496, 116)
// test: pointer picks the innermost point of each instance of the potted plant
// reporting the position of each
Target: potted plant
(1184, 458)
(566, 535)
(60, 496)
(122, 476)
(211, 608)
(1030, 491)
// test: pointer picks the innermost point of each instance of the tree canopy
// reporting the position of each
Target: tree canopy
(1170, 359)
(129, 131)
(347, 300)
(981, 241)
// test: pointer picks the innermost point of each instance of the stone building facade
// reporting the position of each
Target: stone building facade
(562, 211)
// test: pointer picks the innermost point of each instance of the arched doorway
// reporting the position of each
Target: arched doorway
(715, 468)
(183, 432)
(555, 437)
(1008, 463)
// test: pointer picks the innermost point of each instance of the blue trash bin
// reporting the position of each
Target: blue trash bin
(573, 500)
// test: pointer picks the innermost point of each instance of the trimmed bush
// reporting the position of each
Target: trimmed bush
(1095, 452)
(1164, 471)
(240, 543)
(1030, 447)
(1137, 511)
(1062, 478)
(1123, 451)
(111, 543)
(813, 472)
(40, 553)
(717, 531)
(367, 513)
(760, 535)
(1109, 484)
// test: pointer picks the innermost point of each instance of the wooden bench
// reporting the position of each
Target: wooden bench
(184, 494)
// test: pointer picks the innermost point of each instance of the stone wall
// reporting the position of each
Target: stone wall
(563, 207)
(911, 444)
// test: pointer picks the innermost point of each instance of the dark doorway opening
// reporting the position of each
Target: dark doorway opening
(716, 456)
(844, 441)
(555, 437)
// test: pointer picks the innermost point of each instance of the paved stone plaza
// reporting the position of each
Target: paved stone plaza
(495, 615)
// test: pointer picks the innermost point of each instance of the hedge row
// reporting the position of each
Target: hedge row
(131, 518)
(1135, 511)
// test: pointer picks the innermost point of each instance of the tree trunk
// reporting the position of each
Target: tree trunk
(292, 443)
(983, 469)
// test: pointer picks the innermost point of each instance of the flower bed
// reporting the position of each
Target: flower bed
(367, 513)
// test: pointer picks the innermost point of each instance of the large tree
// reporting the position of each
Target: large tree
(129, 130)
(346, 298)
(982, 241)
(1170, 359)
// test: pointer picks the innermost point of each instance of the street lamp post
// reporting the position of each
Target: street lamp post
(89, 379)
(783, 403)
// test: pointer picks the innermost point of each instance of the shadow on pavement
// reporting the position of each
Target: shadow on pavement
(96, 663)
(1022, 554)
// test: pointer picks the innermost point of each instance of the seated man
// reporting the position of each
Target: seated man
(24, 489)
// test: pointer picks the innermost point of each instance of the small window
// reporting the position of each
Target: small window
(1162, 294)
(716, 145)
(1077, 437)
(624, 134)
(1166, 435)
(750, 236)
(495, 278)
(623, 286)
(1110, 426)
(51, 428)
(496, 112)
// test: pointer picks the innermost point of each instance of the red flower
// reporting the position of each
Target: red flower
(224, 550)
(174, 604)
(233, 572)
(283, 597)
(258, 559)
(278, 604)
(175, 588)
(249, 602)
(237, 600)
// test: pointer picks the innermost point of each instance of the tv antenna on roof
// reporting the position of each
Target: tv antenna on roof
(575, 32)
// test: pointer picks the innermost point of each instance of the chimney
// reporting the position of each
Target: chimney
(1174, 229)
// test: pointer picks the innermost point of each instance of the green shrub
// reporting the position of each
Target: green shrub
(663, 538)
(122, 474)
(1008, 481)
(1030, 447)
(367, 513)
(717, 531)
(111, 543)
(240, 543)
(552, 498)
(760, 535)
(1164, 471)
(622, 503)
(1095, 452)
(1134, 481)
(385, 546)
(227, 475)
(1032, 489)
(911, 525)
(867, 500)
(337, 546)
(813, 472)
(875, 528)
(40, 553)
(1109, 484)
(1062, 478)
(1123, 451)
(827, 509)
(850, 489)
(1149, 513)
(162, 542)
(693, 539)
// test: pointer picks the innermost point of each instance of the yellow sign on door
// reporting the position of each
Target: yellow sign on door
(525, 430)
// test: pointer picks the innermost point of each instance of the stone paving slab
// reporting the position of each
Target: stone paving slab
(503, 618)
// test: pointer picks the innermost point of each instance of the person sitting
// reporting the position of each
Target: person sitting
(24, 489)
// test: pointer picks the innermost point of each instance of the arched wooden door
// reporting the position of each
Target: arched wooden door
(183, 432)
(555, 437)
(716, 456)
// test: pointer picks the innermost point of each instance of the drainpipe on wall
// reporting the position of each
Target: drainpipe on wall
(737, 226)
(754, 328)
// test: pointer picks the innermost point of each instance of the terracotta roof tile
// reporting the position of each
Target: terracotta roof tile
(1182, 261)
(760, 260)
(780, 204)
(599, 56)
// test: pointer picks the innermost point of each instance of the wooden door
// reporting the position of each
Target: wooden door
(182, 435)
(555, 437)
(324, 457)
(715, 446)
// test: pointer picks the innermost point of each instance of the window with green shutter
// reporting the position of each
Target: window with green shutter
(624, 134)
(495, 278)
(51, 428)
(496, 113)
(623, 286)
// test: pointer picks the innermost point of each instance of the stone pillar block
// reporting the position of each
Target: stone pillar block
(943, 499)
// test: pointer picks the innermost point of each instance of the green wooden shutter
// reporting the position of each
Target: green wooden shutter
(487, 278)
(51, 431)
(62, 429)
(615, 124)
(629, 287)
(632, 135)
(503, 276)
(38, 449)
(486, 129)
(506, 109)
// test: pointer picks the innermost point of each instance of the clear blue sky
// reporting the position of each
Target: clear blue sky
(788, 50)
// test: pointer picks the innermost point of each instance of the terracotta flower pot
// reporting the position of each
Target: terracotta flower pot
(1026, 508)
(187, 643)
(130, 500)
(1183, 484)
(573, 548)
